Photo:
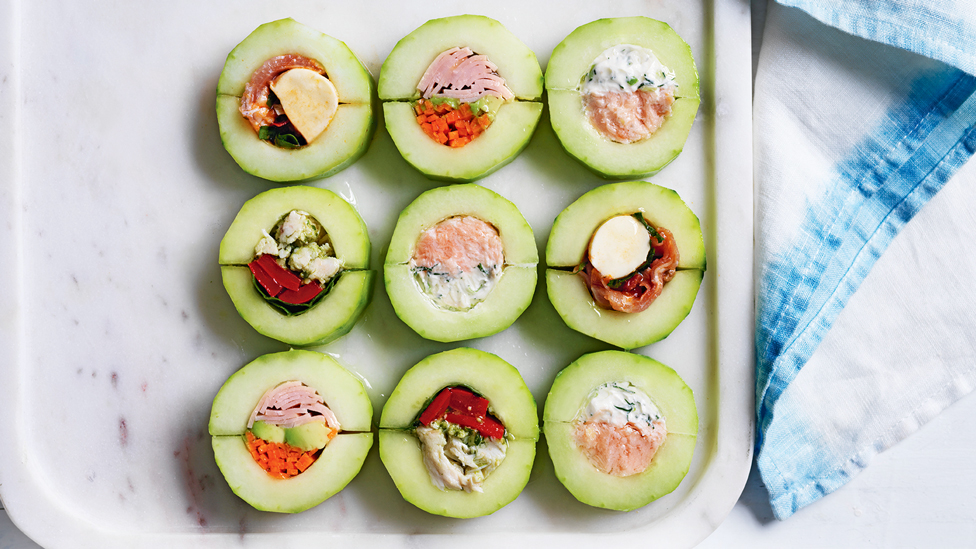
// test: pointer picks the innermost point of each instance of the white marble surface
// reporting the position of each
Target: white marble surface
(119, 317)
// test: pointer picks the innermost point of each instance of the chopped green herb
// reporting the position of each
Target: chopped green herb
(632, 81)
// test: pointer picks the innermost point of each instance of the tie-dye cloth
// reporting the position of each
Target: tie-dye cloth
(864, 330)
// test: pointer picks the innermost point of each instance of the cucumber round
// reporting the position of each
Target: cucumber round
(666, 389)
(345, 139)
(338, 463)
(514, 122)
(569, 63)
(339, 310)
(514, 290)
(510, 401)
(566, 249)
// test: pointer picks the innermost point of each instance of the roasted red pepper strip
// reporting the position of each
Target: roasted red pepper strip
(491, 428)
(304, 294)
(281, 275)
(465, 402)
(436, 407)
(264, 279)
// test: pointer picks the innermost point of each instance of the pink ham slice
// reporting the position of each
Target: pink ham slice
(254, 101)
(290, 404)
(460, 74)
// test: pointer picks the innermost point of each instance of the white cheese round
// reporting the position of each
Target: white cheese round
(309, 100)
(619, 246)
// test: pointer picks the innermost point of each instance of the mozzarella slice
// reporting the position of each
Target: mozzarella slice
(308, 99)
(619, 246)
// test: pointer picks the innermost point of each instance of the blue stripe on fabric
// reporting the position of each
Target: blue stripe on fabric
(876, 191)
(940, 29)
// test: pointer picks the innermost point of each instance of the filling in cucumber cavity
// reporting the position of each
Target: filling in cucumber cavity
(457, 262)
(295, 263)
(627, 93)
(619, 429)
(289, 428)
(289, 101)
(460, 93)
(461, 442)
(628, 262)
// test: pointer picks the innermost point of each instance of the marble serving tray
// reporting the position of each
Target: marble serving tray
(116, 332)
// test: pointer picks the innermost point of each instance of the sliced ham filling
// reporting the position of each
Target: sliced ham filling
(626, 117)
(290, 404)
(461, 74)
(254, 100)
(636, 293)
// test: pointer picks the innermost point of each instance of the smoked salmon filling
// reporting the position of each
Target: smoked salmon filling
(650, 251)
(458, 262)
(295, 263)
(627, 93)
(289, 428)
(461, 440)
(619, 430)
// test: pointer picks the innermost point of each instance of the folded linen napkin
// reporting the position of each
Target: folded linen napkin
(864, 330)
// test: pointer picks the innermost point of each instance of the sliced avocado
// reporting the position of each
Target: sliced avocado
(338, 463)
(513, 291)
(570, 62)
(509, 400)
(268, 432)
(338, 311)
(668, 392)
(514, 121)
(566, 249)
(344, 140)
(308, 436)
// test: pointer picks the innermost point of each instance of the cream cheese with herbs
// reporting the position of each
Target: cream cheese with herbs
(619, 403)
(627, 68)
(457, 457)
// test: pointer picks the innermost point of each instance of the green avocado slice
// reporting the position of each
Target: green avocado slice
(569, 63)
(671, 463)
(345, 139)
(567, 246)
(339, 310)
(513, 123)
(509, 400)
(513, 291)
(339, 462)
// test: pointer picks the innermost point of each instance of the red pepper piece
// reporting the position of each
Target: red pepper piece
(281, 275)
(436, 407)
(264, 279)
(491, 428)
(467, 403)
(304, 294)
(464, 421)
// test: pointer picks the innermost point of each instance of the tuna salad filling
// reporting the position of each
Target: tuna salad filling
(458, 262)
(289, 101)
(619, 429)
(295, 263)
(288, 429)
(627, 93)
(461, 442)
(628, 262)
(460, 93)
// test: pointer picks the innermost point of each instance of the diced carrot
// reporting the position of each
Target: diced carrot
(304, 462)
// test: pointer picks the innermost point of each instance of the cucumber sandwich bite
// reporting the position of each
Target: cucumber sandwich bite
(623, 94)
(290, 430)
(625, 262)
(461, 263)
(461, 97)
(294, 104)
(621, 429)
(458, 434)
(295, 262)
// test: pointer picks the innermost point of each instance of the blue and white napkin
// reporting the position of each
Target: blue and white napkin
(866, 322)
